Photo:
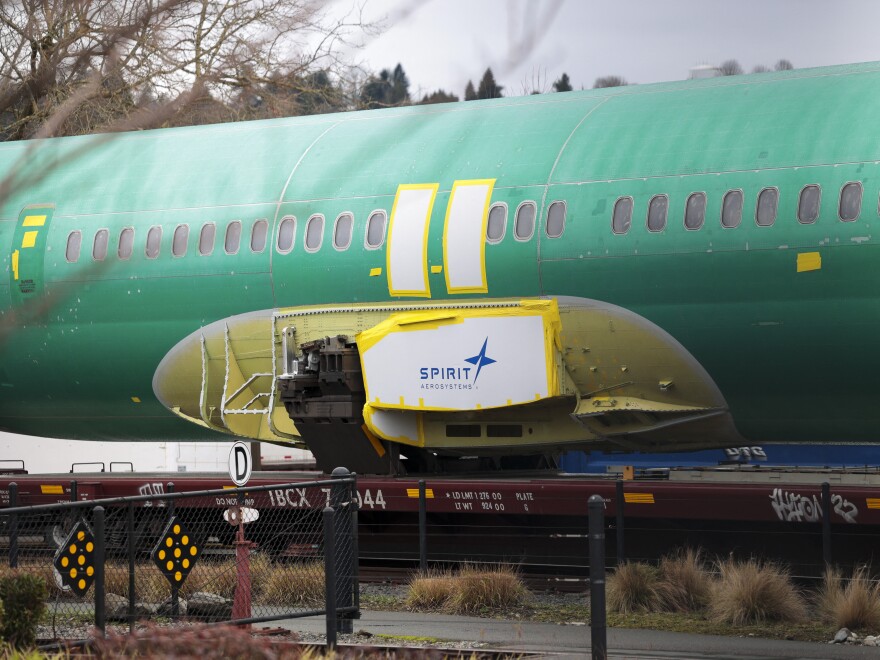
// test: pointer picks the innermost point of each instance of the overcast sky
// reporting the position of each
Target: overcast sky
(530, 43)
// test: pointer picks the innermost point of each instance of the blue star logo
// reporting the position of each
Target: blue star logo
(480, 360)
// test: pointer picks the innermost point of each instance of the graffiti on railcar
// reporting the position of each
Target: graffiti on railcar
(796, 507)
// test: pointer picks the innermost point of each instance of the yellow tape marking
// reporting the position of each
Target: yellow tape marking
(30, 239)
(414, 492)
(51, 490)
(638, 498)
(136, 399)
(375, 271)
(15, 264)
(436, 269)
(873, 502)
(34, 221)
(807, 261)
(374, 441)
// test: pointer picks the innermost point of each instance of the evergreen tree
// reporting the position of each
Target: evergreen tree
(489, 89)
(389, 89)
(399, 86)
(440, 96)
(610, 81)
(470, 94)
(563, 84)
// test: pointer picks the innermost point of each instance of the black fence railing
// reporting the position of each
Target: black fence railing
(235, 555)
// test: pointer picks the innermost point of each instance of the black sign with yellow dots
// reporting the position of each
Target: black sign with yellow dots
(75, 560)
(176, 553)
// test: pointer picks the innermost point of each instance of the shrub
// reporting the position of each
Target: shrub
(294, 585)
(755, 592)
(431, 590)
(492, 587)
(684, 584)
(633, 587)
(24, 601)
(855, 605)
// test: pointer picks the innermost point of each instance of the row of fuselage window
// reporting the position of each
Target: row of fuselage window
(849, 207)
(374, 233)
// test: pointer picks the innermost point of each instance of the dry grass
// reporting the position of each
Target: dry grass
(633, 587)
(472, 589)
(854, 605)
(294, 585)
(755, 592)
(684, 585)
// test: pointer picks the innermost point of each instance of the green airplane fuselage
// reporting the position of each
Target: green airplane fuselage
(785, 318)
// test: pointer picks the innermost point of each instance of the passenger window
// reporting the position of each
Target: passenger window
(524, 224)
(206, 239)
(765, 212)
(342, 231)
(556, 220)
(658, 207)
(154, 242)
(258, 235)
(314, 233)
(732, 209)
(695, 211)
(621, 217)
(850, 201)
(126, 243)
(808, 204)
(286, 233)
(233, 237)
(179, 240)
(497, 223)
(375, 235)
(99, 247)
(74, 241)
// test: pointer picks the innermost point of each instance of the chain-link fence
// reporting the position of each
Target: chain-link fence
(236, 555)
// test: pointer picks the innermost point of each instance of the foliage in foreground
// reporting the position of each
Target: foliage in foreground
(472, 589)
(684, 584)
(24, 601)
(633, 587)
(753, 592)
(854, 605)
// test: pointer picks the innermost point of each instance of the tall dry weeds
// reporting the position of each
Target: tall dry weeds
(755, 592)
(633, 587)
(684, 584)
(486, 587)
(431, 590)
(854, 604)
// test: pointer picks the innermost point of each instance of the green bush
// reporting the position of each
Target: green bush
(24, 600)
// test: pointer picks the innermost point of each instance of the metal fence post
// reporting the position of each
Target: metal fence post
(74, 490)
(330, 575)
(100, 553)
(598, 637)
(13, 526)
(621, 500)
(175, 590)
(132, 596)
(826, 523)
(340, 501)
(423, 527)
(355, 548)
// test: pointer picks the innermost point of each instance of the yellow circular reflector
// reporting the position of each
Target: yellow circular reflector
(161, 555)
(169, 565)
(64, 562)
(73, 548)
(72, 573)
(82, 585)
(81, 560)
(169, 542)
(177, 552)
(177, 529)
(90, 571)
(178, 576)
(185, 563)
(90, 546)
(80, 536)
(193, 550)
(184, 539)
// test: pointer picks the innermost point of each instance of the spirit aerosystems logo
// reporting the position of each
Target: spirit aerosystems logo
(456, 377)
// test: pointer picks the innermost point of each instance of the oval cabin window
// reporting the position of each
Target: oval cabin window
(695, 211)
(206, 239)
(74, 242)
(154, 242)
(286, 232)
(732, 209)
(850, 201)
(179, 240)
(233, 237)
(765, 213)
(314, 233)
(342, 231)
(126, 243)
(524, 225)
(658, 208)
(621, 217)
(556, 219)
(497, 223)
(99, 247)
(808, 204)
(375, 235)
(258, 235)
